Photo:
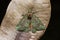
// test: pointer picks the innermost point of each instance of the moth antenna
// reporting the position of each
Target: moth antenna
(22, 14)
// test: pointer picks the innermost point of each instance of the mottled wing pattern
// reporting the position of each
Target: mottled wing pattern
(23, 25)
(37, 24)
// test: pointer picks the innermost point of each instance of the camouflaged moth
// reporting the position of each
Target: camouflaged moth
(30, 22)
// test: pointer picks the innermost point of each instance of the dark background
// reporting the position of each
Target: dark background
(53, 30)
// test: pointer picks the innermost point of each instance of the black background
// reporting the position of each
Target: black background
(53, 30)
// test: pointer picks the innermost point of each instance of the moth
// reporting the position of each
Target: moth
(30, 22)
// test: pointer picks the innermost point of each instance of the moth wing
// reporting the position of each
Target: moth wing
(23, 25)
(37, 24)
